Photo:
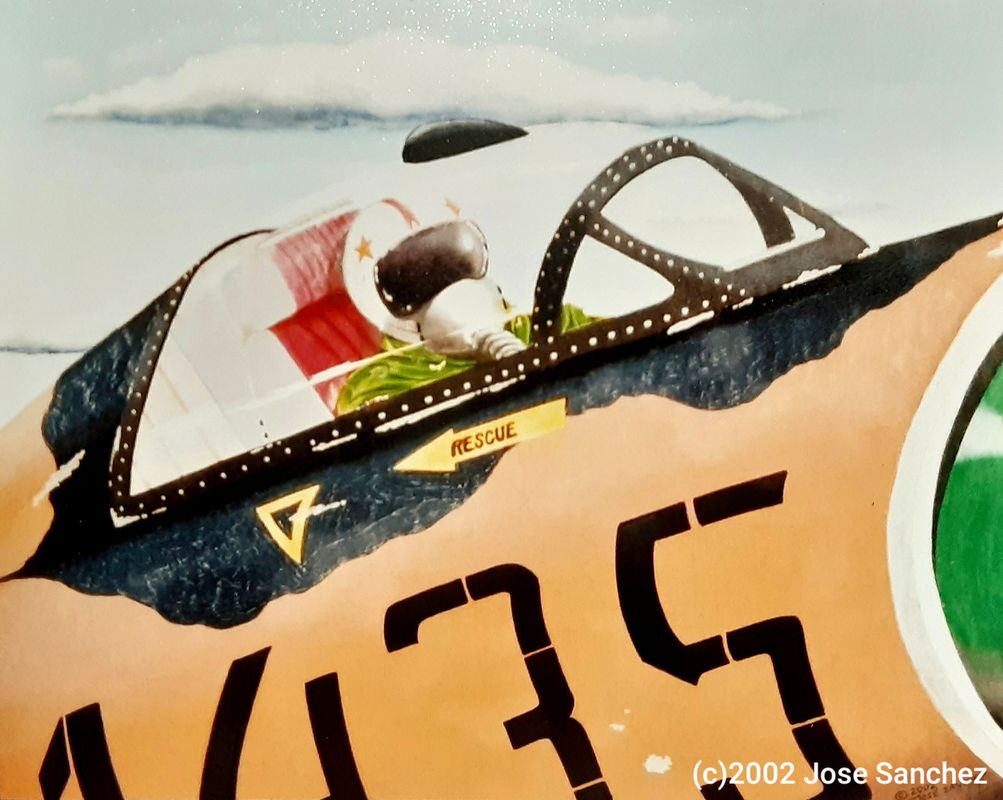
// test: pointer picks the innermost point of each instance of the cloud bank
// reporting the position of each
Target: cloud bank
(396, 77)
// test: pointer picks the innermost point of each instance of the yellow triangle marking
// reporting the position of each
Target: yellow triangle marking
(450, 448)
(290, 542)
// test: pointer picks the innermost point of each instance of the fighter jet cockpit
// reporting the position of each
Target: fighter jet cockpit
(372, 313)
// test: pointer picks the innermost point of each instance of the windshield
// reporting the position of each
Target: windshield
(302, 329)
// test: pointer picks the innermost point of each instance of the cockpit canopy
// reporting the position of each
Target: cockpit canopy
(321, 329)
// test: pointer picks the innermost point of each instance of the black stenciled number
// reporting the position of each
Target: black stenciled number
(330, 735)
(229, 726)
(552, 718)
(89, 750)
(233, 712)
(55, 770)
(780, 638)
(88, 746)
(721, 791)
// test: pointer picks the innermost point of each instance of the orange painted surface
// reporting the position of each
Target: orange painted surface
(427, 721)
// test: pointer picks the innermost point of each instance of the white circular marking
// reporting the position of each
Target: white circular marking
(918, 609)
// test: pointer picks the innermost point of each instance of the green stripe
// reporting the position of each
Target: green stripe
(969, 562)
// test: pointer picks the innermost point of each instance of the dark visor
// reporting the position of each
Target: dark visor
(425, 263)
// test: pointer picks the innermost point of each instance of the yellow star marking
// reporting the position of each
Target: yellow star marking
(363, 249)
(453, 207)
(290, 542)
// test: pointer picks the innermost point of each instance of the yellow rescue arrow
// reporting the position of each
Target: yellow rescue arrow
(444, 452)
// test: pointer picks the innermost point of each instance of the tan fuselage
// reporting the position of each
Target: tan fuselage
(426, 720)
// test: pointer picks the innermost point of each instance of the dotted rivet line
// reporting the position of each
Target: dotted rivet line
(202, 479)
(551, 276)
(698, 277)
(551, 355)
(600, 192)
(120, 465)
(616, 237)
(627, 330)
(565, 347)
(603, 187)
(121, 458)
(637, 326)
(504, 370)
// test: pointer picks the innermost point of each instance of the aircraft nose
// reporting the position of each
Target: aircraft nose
(422, 265)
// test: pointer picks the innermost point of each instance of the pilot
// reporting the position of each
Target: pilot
(437, 277)
(429, 293)
(374, 302)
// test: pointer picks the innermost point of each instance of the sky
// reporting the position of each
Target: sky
(806, 55)
(886, 113)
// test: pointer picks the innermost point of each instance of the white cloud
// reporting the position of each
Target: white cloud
(396, 75)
